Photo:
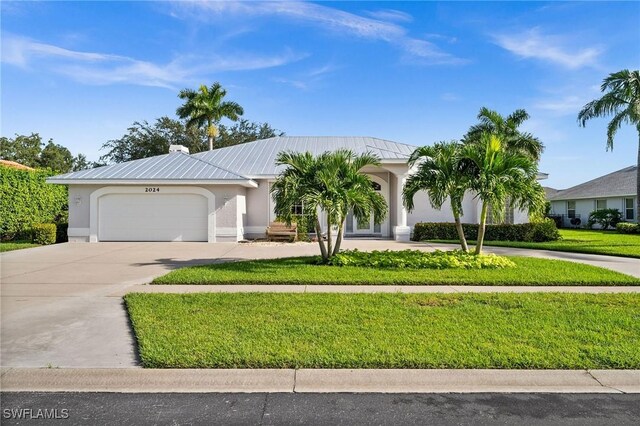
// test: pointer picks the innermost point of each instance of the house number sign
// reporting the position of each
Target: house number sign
(152, 190)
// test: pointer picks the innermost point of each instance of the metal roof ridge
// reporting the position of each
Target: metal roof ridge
(214, 165)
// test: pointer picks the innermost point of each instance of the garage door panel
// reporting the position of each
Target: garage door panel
(153, 217)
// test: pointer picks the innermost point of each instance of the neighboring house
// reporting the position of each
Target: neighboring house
(616, 190)
(223, 195)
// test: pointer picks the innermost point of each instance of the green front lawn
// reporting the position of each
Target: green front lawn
(579, 241)
(302, 270)
(16, 245)
(275, 330)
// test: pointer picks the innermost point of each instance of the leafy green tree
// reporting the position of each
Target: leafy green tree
(496, 174)
(144, 140)
(244, 131)
(441, 174)
(80, 162)
(56, 157)
(206, 106)
(22, 149)
(506, 128)
(330, 184)
(621, 100)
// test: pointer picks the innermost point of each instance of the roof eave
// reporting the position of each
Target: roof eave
(249, 183)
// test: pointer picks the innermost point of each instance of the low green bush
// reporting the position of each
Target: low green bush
(44, 233)
(606, 218)
(416, 259)
(540, 231)
(628, 228)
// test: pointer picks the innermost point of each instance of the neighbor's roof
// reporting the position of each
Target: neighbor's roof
(258, 158)
(550, 192)
(616, 184)
(168, 167)
(14, 165)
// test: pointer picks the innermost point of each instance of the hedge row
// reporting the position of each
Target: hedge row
(628, 228)
(26, 199)
(538, 231)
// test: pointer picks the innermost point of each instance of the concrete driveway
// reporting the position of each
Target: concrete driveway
(62, 307)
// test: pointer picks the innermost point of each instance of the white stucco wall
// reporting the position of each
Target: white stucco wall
(423, 212)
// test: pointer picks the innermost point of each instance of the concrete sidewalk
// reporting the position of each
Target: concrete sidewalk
(319, 380)
(249, 288)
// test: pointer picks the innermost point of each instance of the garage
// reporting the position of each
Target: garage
(152, 217)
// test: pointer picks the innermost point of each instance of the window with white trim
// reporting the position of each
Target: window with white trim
(601, 204)
(629, 209)
(571, 209)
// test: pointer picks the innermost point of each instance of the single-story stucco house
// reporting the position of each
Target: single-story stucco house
(616, 190)
(223, 195)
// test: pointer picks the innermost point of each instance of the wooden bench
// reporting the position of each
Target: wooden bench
(278, 231)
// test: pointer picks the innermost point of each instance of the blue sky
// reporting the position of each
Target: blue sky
(412, 72)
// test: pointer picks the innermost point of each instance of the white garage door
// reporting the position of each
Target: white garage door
(152, 217)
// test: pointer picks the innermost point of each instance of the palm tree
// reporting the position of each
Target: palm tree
(330, 184)
(622, 100)
(205, 106)
(496, 174)
(440, 173)
(507, 129)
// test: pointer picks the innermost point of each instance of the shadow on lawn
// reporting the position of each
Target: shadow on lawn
(232, 263)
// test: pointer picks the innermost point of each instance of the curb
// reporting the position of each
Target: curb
(317, 381)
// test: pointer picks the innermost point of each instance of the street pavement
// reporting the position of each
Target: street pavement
(323, 409)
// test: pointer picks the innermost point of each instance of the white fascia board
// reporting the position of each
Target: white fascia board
(247, 183)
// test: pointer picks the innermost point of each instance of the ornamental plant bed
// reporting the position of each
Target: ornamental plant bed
(491, 330)
(305, 270)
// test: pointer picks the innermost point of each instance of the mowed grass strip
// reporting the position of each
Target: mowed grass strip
(303, 270)
(608, 243)
(16, 245)
(521, 331)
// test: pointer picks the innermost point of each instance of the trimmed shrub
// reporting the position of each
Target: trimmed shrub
(26, 199)
(628, 228)
(544, 230)
(44, 233)
(606, 218)
(416, 259)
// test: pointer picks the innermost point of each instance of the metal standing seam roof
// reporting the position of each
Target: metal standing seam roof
(619, 183)
(172, 166)
(258, 158)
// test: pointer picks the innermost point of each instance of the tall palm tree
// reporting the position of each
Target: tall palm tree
(441, 175)
(205, 106)
(507, 129)
(622, 100)
(330, 184)
(497, 173)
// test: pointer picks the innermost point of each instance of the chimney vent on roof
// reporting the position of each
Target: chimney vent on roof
(178, 148)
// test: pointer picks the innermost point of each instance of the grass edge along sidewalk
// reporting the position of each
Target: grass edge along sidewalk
(607, 243)
(286, 330)
(302, 271)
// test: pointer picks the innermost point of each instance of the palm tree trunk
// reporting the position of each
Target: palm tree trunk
(336, 249)
(463, 240)
(323, 249)
(638, 181)
(481, 228)
(329, 242)
(209, 135)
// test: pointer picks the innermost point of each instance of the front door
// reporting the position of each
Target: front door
(367, 227)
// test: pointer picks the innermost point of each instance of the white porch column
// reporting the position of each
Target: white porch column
(401, 231)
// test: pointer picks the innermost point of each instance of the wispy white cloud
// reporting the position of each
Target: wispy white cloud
(327, 18)
(307, 80)
(449, 97)
(533, 44)
(570, 104)
(102, 68)
(391, 15)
